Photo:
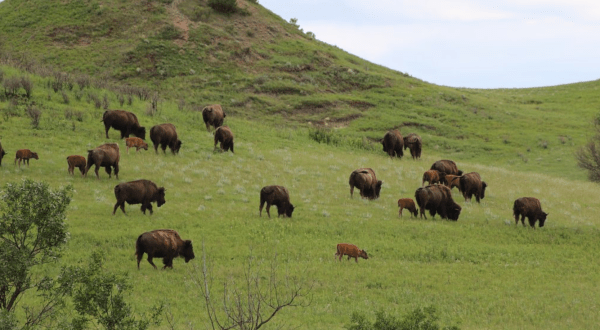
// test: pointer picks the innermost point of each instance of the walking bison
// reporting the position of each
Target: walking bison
(413, 142)
(409, 204)
(76, 161)
(142, 192)
(432, 177)
(447, 167)
(24, 155)
(107, 156)
(351, 250)
(531, 208)
(365, 180)
(2, 153)
(437, 199)
(278, 196)
(224, 135)
(123, 121)
(393, 143)
(165, 135)
(135, 142)
(163, 243)
(470, 184)
(213, 115)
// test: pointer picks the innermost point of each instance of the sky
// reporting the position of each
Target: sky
(462, 43)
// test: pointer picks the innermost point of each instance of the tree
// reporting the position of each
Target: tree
(254, 302)
(588, 157)
(32, 233)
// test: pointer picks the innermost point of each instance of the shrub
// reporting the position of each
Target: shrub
(419, 319)
(105, 102)
(224, 6)
(169, 32)
(83, 81)
(11, 86)
(27, 85)
(200, 14)
(588, 157)
(65, 97)
(35, 114)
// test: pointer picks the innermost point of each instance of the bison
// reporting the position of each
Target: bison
(163, 243)
(531, 208)
(2, 153)
(213, 115)
(351, 250)
(393, 143)
(432, 177)
(139, 192)
(413, 142)
(165, 135)
(470, 184)
(451, 181)
(224, 135)
(76, 161)
(107, 156)
(409, 204)
(437, 199)
(365, 180)
(278, 196)
(447, 167)
(24, 155)
(123, 121)
(136, 142)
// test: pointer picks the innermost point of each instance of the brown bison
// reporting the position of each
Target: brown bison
(409, 204)
(437, 199)
(2, 153)
(224, 135)
(163, 243)
(351, 250)
(531, 208)
(470, 184)
(24, 155)
(413, 142)
(165, 135)
(136, 142)
(139, 192)
(365, 180)
(213, 115)
(123, 121)
(278, 196)
(393, 143)
(451, 181)
(432, 177)
(107, 156)
(447, 167)
(76, 161)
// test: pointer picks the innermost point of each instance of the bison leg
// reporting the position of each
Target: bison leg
(262, 203)
(516, 215)
(96, 171)
(268, 209)
(163, 146)
(139, 258)
(109, 171)
(356, 259)
(168, 262)
(82, 170)
(150, 261)
(117, 206)
(149, 207)
(117, 171)
(231, 147)
(106, 128)
(143, 208)
(351, 191)
(523, 220)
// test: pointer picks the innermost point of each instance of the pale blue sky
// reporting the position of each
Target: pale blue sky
(462, 43)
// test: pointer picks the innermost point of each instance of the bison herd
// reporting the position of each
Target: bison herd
(436, 197)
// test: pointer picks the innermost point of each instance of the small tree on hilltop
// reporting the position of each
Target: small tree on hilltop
(588, 157)
(224, 6)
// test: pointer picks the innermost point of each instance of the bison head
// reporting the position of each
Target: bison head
(188, 251)
(363, 254)
(141, 133)
(177, 146)
(483, 186)
(460, 172)
(378, 188)
(145, 146)
(454, 212)
(160, 200)
(34, 155)
(542, 218)
(289, 210)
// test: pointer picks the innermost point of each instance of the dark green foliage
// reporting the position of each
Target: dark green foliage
(224, 6)
(329, 136)
(588, 156)
(419, 319)
(169, 32)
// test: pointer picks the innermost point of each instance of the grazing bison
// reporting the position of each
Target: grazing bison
(470, 184)
(24, 155)
(531, 208)
(136, 142)
(365, 180)
(413, 142)
(163, 243)
(139, 192)
(165, 135)
(432, 177)
(76, 161)
(437, 199)
(451, 181)
(409, 204)
(278, 196)
(213, 115)
(393, 143)
(447, 167)
(224, 135)
(2, 153)
(351, 250)
(107, 156)
(123, 121)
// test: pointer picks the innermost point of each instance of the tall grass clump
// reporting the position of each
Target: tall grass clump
(224, 6)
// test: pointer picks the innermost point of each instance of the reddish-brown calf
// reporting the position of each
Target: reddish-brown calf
(432, 176)
(76, 161)
(409, 204)
(24, 155)
(351, 250)
(136, 142)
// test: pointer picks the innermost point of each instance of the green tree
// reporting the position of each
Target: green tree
(588, 156)
(32, 233)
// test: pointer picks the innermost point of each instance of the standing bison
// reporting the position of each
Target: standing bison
(470, 184)
(136, 142)
(365, 180)
(451, 181)
(447, 167)
(409, 204)
(393, 143)
(165, 135)
(24, 155)
(224, 135)
(432, 177)
(163, 243)
(76, 161)
(2, 153)
(437, 199)
(413, 142)
(123, 121)
(213, 115)
(139, 192)
(278, 196)
(351, 250)
(107, 156)
(531, 208)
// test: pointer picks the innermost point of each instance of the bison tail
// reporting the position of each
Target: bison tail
(138, 246)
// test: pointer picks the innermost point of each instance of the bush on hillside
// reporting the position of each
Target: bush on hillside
(224, 6)
(419, 319)
(588, 157)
